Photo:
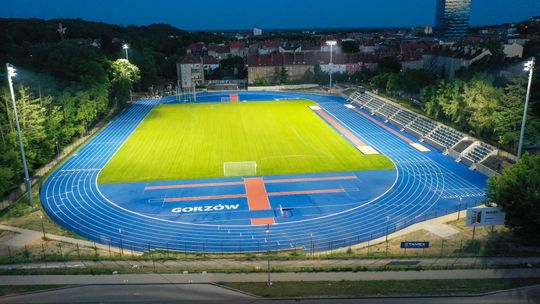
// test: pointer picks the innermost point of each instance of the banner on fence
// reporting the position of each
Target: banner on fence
(485, 216)
(414, 244)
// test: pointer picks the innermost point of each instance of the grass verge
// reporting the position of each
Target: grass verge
(379, 288)
(13, 290)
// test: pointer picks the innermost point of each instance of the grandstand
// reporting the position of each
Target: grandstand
(463, 148)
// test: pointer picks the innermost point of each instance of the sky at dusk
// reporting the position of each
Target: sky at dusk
(274, 14)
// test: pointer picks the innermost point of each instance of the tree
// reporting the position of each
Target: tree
(260, 81)
(281, 76)
(517, 192)
(123, 76)
(349, 46)
(389, 64)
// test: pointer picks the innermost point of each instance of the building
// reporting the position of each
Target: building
(452, 19)
(238, 48)
(257, 31)
(268, 65)
(190, 71)
(513, 50)
(446, 61)
(219, 51)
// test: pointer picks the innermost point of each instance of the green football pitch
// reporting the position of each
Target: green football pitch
(192, 141)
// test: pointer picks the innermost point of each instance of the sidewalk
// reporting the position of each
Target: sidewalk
(262, 277)
(202, 265)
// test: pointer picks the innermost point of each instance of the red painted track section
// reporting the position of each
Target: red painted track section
(340, 128)
(193, 185)
(305, 192)
(269, 181)
(198, 198)
(256, 194)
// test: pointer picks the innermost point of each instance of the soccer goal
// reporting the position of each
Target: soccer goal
(244, 168)
(225, 99)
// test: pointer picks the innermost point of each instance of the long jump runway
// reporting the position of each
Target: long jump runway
(308, 211)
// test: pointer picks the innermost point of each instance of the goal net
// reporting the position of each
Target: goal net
(244, 168)
(225, 99)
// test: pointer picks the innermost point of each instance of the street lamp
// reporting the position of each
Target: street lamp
(269, 282)
(125, 46)
(12, 73)
(529, 67)
(331, 43)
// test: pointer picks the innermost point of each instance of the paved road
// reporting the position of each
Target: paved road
(177, 293)
(206, 293)
(262, 277)
(230, 263)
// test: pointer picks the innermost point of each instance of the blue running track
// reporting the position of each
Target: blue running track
(424, 185)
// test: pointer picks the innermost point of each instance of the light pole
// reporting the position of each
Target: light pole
(269, 282)
(125, 46)
(529, 67)
(12, 73)
(42, 227)
(331, 43)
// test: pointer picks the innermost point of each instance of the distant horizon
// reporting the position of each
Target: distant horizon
(322, 29)
(214, 15)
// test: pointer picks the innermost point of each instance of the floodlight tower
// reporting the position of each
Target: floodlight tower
(529, 67)
(11, 72)
(331, 43)
(125, 46)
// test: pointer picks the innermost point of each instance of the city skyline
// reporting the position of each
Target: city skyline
(243, 14)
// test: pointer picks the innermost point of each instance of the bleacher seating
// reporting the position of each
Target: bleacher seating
(404, 117)
(479, 152)
(423, 125)
(445, 136)
(374, 105)
(388, 110)
(363, 99)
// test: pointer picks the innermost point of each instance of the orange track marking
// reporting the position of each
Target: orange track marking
(383, 125)
(256, 194)
(271, 181)
(340, 128)
(262, 221)
(193, 185)
(309, 179)
(197, 198)
(305, 192)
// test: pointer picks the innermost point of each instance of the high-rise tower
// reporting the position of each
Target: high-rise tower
(452, 18)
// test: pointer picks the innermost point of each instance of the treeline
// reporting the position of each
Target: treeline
(67, 83)
(54, 111)
(154, 48)
(479, 107)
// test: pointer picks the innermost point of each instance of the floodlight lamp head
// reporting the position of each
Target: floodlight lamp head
(125, 46)
(528, 65)
(331, 42)
(12, 72)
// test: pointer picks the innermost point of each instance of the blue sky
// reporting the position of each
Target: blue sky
(232, 14)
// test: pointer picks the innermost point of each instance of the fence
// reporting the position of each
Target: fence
(371, 244)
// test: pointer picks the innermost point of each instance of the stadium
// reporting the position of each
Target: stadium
(254, 171)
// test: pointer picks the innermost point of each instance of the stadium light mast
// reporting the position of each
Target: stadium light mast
(331, 43)
(11, 72)
(125, 46)
(529, 67)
